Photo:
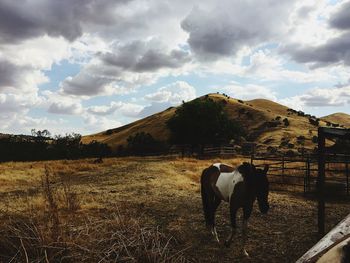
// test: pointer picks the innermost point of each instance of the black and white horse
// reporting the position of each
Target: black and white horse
(240, 187)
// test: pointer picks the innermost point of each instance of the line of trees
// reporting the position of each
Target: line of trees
(41, 146)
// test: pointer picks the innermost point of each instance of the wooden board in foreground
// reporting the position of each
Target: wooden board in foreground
(339, 233)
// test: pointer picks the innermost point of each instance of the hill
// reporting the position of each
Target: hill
(270, 125)
(338, 118)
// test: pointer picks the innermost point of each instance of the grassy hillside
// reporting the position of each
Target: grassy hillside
(338, 118)
(271, 125)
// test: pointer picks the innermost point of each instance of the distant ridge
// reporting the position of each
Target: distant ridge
(338, 118)
(270, 125)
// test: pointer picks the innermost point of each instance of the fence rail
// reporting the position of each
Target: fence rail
(302, 171)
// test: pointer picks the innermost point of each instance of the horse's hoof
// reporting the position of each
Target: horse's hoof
(245, 253)
(227, 243)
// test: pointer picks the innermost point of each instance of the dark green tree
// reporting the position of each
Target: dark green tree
(202, 121)
(143, 143)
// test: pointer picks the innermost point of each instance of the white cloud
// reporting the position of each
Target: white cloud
(125, 109)
(173, 93)
(65, 108)
(320, 97)
(97, 124)
(247, 91)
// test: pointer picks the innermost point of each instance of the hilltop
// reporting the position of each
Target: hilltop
(338, 118)
(270, 125)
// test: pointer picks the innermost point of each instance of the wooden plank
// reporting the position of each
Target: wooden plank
(336, 235)
(320, 182)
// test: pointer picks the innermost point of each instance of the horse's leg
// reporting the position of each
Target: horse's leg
(233, 213)
(247, 210)
(210, 204)
(215, 205)
(244, 238)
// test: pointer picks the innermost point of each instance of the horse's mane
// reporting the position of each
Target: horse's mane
(248, 172)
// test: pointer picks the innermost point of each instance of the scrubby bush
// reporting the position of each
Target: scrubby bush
(314, 121)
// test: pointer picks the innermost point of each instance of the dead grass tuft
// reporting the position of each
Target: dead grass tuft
(118, 238)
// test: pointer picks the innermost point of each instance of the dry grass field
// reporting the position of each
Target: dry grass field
(138, 210)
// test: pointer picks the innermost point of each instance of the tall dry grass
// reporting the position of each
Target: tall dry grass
(59, 232)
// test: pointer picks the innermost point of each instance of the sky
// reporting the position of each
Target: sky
(85, 66)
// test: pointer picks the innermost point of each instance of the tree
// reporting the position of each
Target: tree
(144, 143)
(202, 121)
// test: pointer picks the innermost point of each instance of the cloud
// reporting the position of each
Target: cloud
(322, 40)
(247, 91)
(19, 20)
(65, 108)
(140, 56)
(129, 65)
(155, 107)
(19, 79)
(336, 50)
(173, 93)
(87, 84)
(13, 103)
(170, 95)
(320, 97)
(341, 19)
(97, 124)
(221, 29)
(104, 109)
(126, 109)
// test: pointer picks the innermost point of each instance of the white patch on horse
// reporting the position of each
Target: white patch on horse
(217, 165)
(226, 183)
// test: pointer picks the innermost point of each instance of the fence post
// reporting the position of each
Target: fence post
(305, 176)
(347, 177)
(308, 173)
(283, 168)
(320, 181)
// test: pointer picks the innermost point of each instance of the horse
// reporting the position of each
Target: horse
(239, 187)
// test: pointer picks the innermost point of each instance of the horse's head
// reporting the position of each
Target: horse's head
(262, 189)
(258, 183)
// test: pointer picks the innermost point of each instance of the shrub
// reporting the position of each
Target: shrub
(109, 132)
(314, 121)
(286, 122)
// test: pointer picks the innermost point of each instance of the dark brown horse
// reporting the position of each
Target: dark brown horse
(240, 187)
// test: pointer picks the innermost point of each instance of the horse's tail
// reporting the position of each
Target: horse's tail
(205, 197)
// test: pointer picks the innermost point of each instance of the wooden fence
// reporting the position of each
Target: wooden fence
(301, 172)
